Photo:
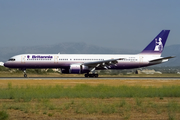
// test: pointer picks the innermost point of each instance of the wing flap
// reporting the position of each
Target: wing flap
(102, 63)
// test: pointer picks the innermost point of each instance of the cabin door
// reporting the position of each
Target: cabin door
(56, 59)
(23, 59)
(140, 59)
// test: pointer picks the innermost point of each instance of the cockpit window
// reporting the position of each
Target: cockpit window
(12, 59)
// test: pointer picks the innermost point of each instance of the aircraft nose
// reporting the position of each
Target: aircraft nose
(6, 64)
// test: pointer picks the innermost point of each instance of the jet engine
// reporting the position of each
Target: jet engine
(76, 69)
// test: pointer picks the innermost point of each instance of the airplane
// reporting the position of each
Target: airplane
(87, 64)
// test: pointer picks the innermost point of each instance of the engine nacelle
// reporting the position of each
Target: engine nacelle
(75, 69)
(78, 69)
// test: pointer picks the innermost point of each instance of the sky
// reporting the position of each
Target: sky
(130, 24)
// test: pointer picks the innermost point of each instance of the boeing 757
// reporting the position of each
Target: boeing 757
(88, 63)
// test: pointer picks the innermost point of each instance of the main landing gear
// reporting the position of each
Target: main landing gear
(91, 75)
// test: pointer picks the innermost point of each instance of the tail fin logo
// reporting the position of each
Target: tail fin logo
(158, 45)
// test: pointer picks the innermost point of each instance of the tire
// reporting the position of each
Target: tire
(91, 75)
(25, 75)
(86, 75)
(96, 75)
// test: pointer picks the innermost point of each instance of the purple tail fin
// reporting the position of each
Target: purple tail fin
(158, 44)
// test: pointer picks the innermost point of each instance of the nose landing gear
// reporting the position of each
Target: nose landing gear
(24, 71)
(25, 75)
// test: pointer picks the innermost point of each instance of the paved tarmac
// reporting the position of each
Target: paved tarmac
(83, 78)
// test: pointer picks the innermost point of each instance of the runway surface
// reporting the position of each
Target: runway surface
(83, 78)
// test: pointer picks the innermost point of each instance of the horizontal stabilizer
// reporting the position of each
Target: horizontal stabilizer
(160, 59)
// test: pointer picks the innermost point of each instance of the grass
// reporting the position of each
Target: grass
(93, 82)
(4, 115)
(73, 107)
(29, 92)
(90, 99)
(138, 102)
(173, 108)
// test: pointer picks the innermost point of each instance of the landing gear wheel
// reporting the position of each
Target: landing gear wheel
(96, 75)
(91, 75)
(25, 75)
(86, 75)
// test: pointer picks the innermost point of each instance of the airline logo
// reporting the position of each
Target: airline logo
(158, 45)
(39, 56)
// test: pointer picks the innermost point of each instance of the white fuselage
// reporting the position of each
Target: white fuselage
(65, 60)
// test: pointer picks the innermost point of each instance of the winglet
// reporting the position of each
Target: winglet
(157, 44)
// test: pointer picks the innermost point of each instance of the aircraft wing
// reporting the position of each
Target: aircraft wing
(102, 64)
(162, 59)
